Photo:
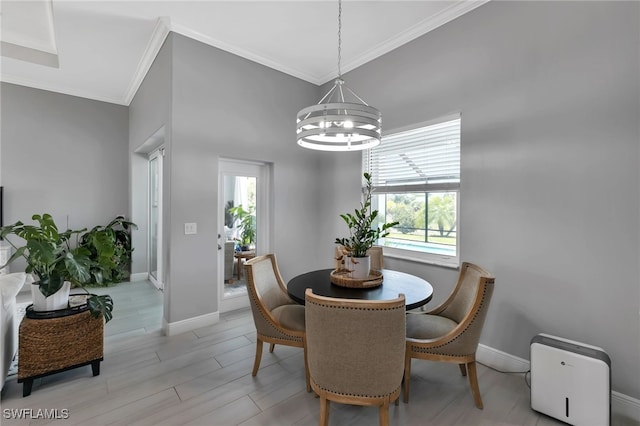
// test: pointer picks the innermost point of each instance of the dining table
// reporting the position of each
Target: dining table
(417, 291)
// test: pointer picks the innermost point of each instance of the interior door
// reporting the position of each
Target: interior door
(243, 226)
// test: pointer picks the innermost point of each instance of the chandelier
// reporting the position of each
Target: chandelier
(341, 121)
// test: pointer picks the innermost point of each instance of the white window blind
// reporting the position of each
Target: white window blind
(422, 159)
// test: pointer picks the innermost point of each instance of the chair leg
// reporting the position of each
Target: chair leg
(407, 376)
(324, 411)
(256, 363)
(463, 369)
(473, 381)
(384, 414)
(307, 376)
(272, 347)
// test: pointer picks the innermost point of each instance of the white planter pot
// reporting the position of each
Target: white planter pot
(359, 266)
(58, 300)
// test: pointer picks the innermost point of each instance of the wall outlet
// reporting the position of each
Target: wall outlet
(190, 228)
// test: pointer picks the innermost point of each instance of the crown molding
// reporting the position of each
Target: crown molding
(195, 35)
(21, 81)
(164, 26)
(158, 36)
(452, 12)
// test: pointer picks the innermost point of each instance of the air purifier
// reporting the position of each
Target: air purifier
(570, 381)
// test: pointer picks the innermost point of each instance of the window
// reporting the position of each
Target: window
(416, 179)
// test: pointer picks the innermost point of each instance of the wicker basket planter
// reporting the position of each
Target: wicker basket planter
(52, 344)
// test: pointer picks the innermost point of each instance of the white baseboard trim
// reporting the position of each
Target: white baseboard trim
(178, 327)
(139, 276)
(621, 405)
(500, 360)
(625, 406)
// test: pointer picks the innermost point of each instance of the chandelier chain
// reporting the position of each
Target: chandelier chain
(339, 37)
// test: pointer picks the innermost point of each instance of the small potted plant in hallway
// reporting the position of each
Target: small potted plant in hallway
(56, 263)
(362, 234)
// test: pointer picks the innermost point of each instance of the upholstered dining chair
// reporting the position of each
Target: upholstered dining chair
(377, 259)
(355, 351)
(451, 332)
(278, 319)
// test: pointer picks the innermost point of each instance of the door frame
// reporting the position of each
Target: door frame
(158, 281)
(262, 172)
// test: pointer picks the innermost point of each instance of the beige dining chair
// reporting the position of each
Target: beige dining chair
(377, 258)
(451, 332)
(355, 351)
(278, 319)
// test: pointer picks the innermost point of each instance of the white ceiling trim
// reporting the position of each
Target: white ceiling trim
(165, 25)
(188, 32)
(56, 88)
(30, 25)
(457, 9)
(158, 36)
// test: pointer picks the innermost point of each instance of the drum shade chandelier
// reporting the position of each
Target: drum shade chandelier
(341, 121)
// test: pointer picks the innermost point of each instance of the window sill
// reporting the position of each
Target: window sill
(411, 257)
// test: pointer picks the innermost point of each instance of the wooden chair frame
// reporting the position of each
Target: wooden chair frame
(420, 349)
(278, 334)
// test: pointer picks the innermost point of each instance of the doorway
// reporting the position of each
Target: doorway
(243, 224)
(155, 218)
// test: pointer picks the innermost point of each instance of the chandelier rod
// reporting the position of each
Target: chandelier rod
(339, 39)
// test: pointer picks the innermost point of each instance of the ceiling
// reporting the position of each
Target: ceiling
(103, 49)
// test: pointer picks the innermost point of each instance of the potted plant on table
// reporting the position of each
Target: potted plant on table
(55, 262)
(362, 234)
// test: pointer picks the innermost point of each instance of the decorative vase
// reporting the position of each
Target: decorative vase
(359, 267)
(58, 300)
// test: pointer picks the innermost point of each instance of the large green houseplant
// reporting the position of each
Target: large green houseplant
(362, 233)
(110, 251)
(247, 224)
(54, 258)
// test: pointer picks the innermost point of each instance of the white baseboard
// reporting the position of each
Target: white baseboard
(621, 405)
(625, 406)
(178, 327)
(139, 276)
(500, 360)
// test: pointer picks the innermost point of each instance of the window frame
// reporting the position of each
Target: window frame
(424, 188)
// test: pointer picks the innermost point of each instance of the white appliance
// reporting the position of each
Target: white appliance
(570, 381)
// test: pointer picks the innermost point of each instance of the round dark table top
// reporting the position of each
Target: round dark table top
(417, 291)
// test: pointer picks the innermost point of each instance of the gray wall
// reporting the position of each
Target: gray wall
(224, 106)
(549, 96)
(150, 114)
(62, 155)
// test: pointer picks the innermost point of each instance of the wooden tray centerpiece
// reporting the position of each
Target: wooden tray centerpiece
(340, 277)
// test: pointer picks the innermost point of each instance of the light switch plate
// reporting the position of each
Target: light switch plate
(190, 228)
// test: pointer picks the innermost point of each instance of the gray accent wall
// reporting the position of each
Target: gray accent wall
(549, 94)
(62, 155)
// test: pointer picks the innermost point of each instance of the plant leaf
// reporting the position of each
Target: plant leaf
(101, 305)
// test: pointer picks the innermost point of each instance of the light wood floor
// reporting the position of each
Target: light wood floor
(204, 378)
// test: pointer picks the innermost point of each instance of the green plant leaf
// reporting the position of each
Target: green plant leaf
(101, 305)
(50, 284)
(78, 267)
